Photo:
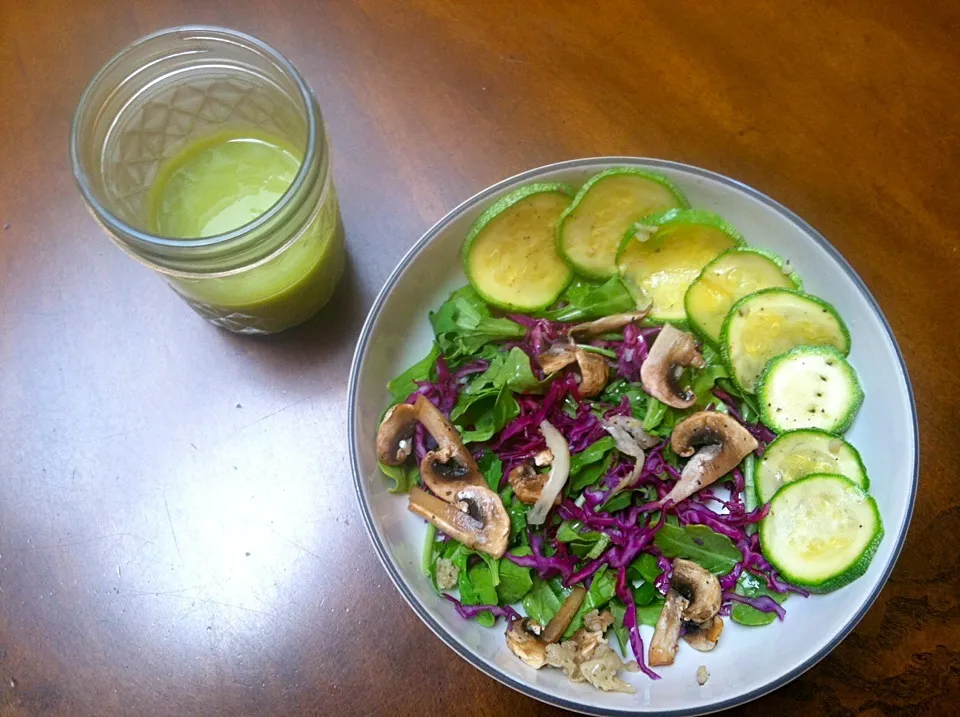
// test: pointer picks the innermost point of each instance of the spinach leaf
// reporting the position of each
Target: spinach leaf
(405, 384)
(515, 581)
(747, 400)
(492, 468)
(710, 550)
(601, 591)
(542, 602)
(596, 451)
(463, 324)
(584, 301)
(750, 585)
(404, 476)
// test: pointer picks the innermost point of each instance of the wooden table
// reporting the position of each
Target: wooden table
(178, 530)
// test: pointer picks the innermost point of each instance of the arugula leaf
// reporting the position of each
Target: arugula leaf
(644, 568)
(584, 301)
(488, 417)
(590, 464)
(601, 591)
(618, 610)
(463, 324)
(515, 581)
(404, 384)
(477, 588)
(518, 516)
(618, 502)
(644, 594)
(750, 585)
(619, 388)
(404, 476)
(542, 602)
(655, 412)
(649, 614)
(492, 468)
(581, 542)
(710, 550)
(511, 369)
(747, 401)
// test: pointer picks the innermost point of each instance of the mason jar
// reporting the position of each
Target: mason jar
(156, 100)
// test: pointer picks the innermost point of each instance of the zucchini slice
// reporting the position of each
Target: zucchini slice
(509, 254)
(796, 454)
(821, 532)
(809, 387)
(590, 230)
(661, 255)
(770, 322)
(732, 275)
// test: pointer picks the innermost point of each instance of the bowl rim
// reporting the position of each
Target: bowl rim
(397, 578)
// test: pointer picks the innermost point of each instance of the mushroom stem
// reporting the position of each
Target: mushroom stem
(607, 323)
(561, 621)
(666, 636)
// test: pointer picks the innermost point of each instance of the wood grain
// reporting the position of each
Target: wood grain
(178, 534)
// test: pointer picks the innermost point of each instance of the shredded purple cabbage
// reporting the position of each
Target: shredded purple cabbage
(764, 603)
(468, 612)
(630, 622)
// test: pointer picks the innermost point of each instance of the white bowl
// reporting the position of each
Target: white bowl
(748, 662)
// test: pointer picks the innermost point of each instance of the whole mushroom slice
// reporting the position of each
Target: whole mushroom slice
(672, 351)
(703, 636)
(477, 518)
(528, 641)
(446, 470)
(715, 443)
(693, 602)
(594, 371)
(607, 324)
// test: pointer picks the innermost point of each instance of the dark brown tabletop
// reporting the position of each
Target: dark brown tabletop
(178, 529)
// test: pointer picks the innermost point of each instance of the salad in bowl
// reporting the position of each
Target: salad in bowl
(628, 417)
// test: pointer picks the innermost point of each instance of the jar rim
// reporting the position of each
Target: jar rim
(113, 223)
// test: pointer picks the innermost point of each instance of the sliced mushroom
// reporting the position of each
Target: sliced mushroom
(666, 635)
(717, 444)
(557, 357)
(528, 641)
(395, 436)
(524, 641)
(446, 470)
(527, 484)
(477, 518)
(607, 324)
(703, 636)
(595, 373)
(660, 373)
(699, 587)
(693, 601)
(594, 370)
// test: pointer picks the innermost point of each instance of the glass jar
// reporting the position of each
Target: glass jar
(163, 94)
